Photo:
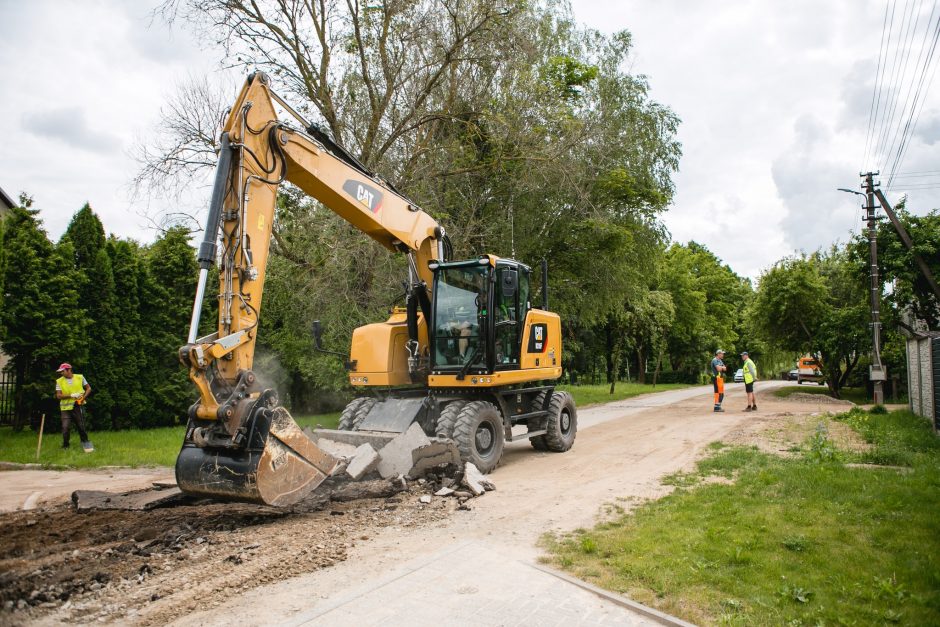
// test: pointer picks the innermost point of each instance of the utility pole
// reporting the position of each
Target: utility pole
(876, 371)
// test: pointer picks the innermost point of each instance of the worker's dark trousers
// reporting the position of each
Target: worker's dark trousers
(68, 416)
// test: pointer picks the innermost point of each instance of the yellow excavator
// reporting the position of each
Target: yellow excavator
(467, 357)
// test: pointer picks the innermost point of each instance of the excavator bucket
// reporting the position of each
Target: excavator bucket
(279, 465)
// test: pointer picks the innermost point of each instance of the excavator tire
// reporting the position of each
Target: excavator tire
(562, 423)
(355, 413)
(445, 423)
(479, 435)
(536, 424)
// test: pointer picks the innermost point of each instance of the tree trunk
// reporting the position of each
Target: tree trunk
(610, 358)
(659, 362)
(640, 365)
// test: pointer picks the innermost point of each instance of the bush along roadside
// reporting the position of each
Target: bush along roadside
(826, 537)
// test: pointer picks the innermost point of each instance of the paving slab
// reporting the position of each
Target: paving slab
(469, 583)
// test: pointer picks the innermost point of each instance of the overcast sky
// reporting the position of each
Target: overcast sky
(774, 99)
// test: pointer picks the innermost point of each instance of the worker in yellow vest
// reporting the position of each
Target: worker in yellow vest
(750, 376)
(72, 390)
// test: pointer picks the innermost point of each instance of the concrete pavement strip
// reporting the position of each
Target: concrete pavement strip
(475, 583)
(655, 614)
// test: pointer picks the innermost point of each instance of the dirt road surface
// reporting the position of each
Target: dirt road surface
(388, 561)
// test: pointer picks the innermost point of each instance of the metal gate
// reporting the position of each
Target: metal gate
(7, 397)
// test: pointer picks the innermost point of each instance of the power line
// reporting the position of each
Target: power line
(872, 114)
(907, 97)
(920, 96)
(880, 81)
(899, 71)
(920, 109)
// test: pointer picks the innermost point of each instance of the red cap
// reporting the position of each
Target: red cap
(64, 365)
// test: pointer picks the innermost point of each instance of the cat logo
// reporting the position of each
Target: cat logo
(365, 194)
(538, 338)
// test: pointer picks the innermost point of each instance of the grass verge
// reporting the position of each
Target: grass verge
(859, 396)
(159, 447)
(789, 541)
(585, 395)
(134, 448)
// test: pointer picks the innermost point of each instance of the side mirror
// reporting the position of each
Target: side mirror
(317, 333)
(509, 283)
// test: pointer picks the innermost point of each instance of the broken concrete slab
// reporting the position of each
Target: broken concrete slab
(337, 449)
(444, 492)
(425, 498)
(363, 462)
(475, 481)
(87, 500)
(396, 457)
(435, 453)
(377, 439)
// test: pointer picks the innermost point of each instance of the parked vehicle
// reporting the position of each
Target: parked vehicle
(793, 375)
(810, 369)
(739, 376)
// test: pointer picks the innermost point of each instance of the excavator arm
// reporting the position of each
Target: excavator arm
(239, 444)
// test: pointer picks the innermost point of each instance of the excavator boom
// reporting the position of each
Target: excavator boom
(240, 444)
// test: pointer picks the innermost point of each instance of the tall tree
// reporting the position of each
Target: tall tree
(520, 132)
(816, 304)
(94, 280)
(910, 290)
(129, 398)
(41, 318)
(709, 301)
(167, 289)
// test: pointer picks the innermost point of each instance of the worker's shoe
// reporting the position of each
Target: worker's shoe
(749, 408)
(88, 447)
(754, 408)
(718, 409)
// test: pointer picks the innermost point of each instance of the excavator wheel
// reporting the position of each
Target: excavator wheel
(479, 435)
(355, 412)
(562, 423)
(445, 422)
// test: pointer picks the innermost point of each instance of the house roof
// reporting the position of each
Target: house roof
(5, 201)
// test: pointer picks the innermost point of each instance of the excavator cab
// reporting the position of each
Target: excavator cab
(478, 309)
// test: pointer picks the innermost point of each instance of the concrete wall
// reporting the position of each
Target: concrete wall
(920, 383)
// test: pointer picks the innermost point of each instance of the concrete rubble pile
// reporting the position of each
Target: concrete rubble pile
(434, 463)
(372, 465)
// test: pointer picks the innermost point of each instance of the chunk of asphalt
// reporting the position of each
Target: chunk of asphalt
(363, 462)
(475, 481)
(432, 455)
(395, 458)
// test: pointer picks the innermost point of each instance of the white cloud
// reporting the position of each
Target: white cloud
(774, 100)
(69, 125)
(83, 80)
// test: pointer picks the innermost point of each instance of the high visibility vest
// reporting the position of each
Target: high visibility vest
(77, 384)
(749, 370)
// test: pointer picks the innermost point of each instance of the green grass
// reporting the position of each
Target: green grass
(151, 447)
(135, 448)
(859, 396)
(159, 447)
(585, 395)
(790, 541)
